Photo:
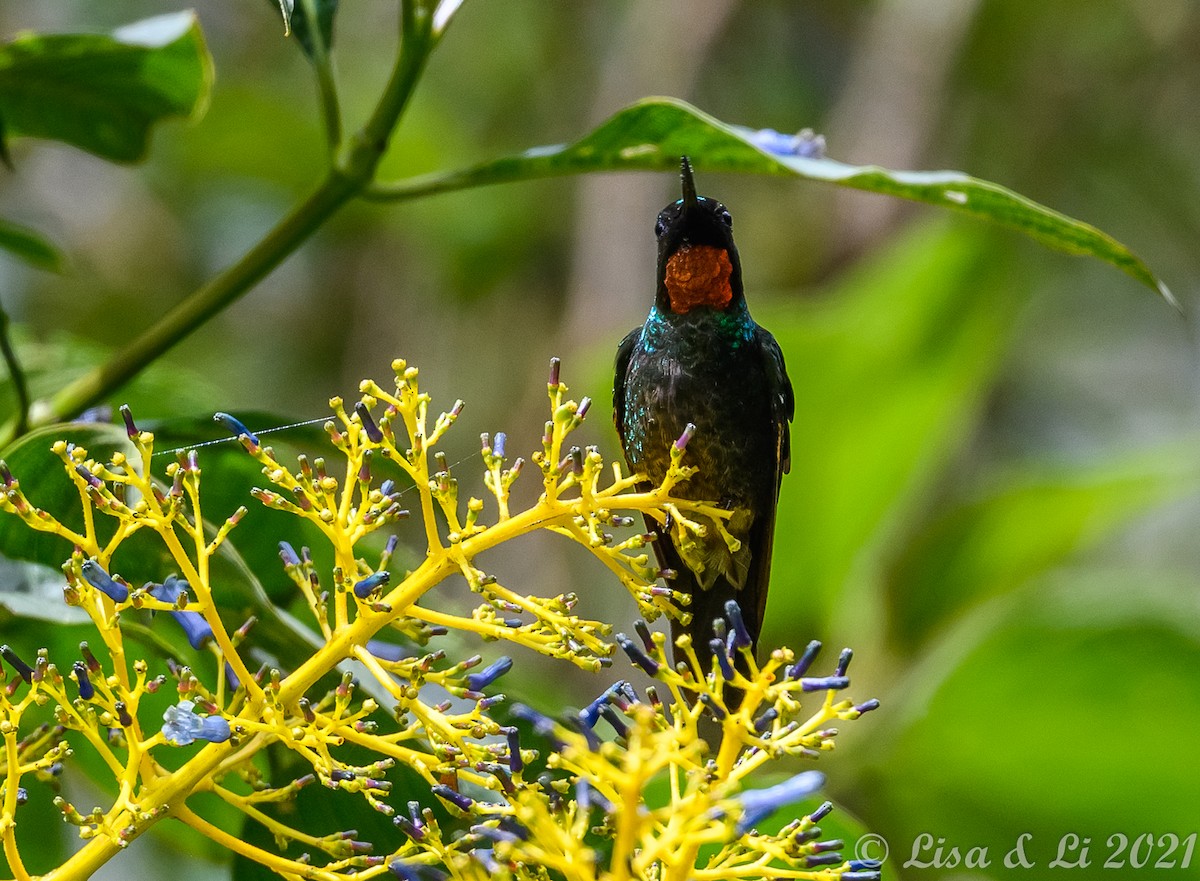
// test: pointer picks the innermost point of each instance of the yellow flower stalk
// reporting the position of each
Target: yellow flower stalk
(668, 794)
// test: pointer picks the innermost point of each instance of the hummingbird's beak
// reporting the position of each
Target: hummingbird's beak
(689, 185)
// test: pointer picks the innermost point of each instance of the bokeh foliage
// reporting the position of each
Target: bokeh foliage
(993, 489)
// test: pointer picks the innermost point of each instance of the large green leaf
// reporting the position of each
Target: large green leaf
(1068, 709)
(29, 246)
(652, 134)
(103, 93)
(889, 371)
(998, 539)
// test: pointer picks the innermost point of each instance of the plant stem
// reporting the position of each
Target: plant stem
(353, 169)
(20, 387)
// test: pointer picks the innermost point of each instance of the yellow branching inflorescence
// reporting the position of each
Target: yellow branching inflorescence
(666, 796)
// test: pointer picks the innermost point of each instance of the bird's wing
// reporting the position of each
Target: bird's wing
(762, 533)
(783, 401)
(624, 351)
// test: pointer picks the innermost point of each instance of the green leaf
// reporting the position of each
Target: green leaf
(29, 246)
(1069, 709)
(104, 93)
(33, 591)
(997, 540)
(652, 134)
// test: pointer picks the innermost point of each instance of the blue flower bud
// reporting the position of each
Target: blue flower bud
(195, 627)
(801, 666)
(637, 655)
(288, 554)
(86, 691)
(825, 683)
(741, 635)
(368, 585)
(489, 674)
(94, 574)
(758, 804)
(368, 423)
(460, 801)
(718, 651)
(23, 669)
(843, 662)
(763, 722)
(235, 427)
(821, 812)
(817, 860)
(515, 762)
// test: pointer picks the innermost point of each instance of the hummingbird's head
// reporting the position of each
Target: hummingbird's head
(698, 263)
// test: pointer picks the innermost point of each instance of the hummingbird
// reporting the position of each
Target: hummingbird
(700, 358)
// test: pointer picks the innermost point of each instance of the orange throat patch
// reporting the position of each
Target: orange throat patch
(698, 275)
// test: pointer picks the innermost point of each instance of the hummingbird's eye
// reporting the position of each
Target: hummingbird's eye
(660, 227)
(727, 218)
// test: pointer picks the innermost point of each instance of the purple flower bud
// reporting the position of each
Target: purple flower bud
(130, 428)
(763, 722)
(460, 801)
(92, 479)
(758, 804)
(555, 367)
(710, 704)
(871, 865)
(642, 629)
(406, 825)
(843, 662)
(590, 714)
(94, 574)
(86, 691)
(740, 633)
(825, 683)
(867, 706)
(181, 726)
(488, 675)
(827, 846)
(235, 427)
(636, 655)
(801, 666)
(22, 795)
(821, 812)
(817, 860)
(718, 650)
(195, 627)
(585, 404)
(23, 669)
(368, 423)
(5, 474)
(287, 553)
(371, 583)
(688, 432)
(499, 444)
(613, 718)
(515, 762)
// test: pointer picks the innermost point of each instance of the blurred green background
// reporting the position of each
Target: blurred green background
(994, 486)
